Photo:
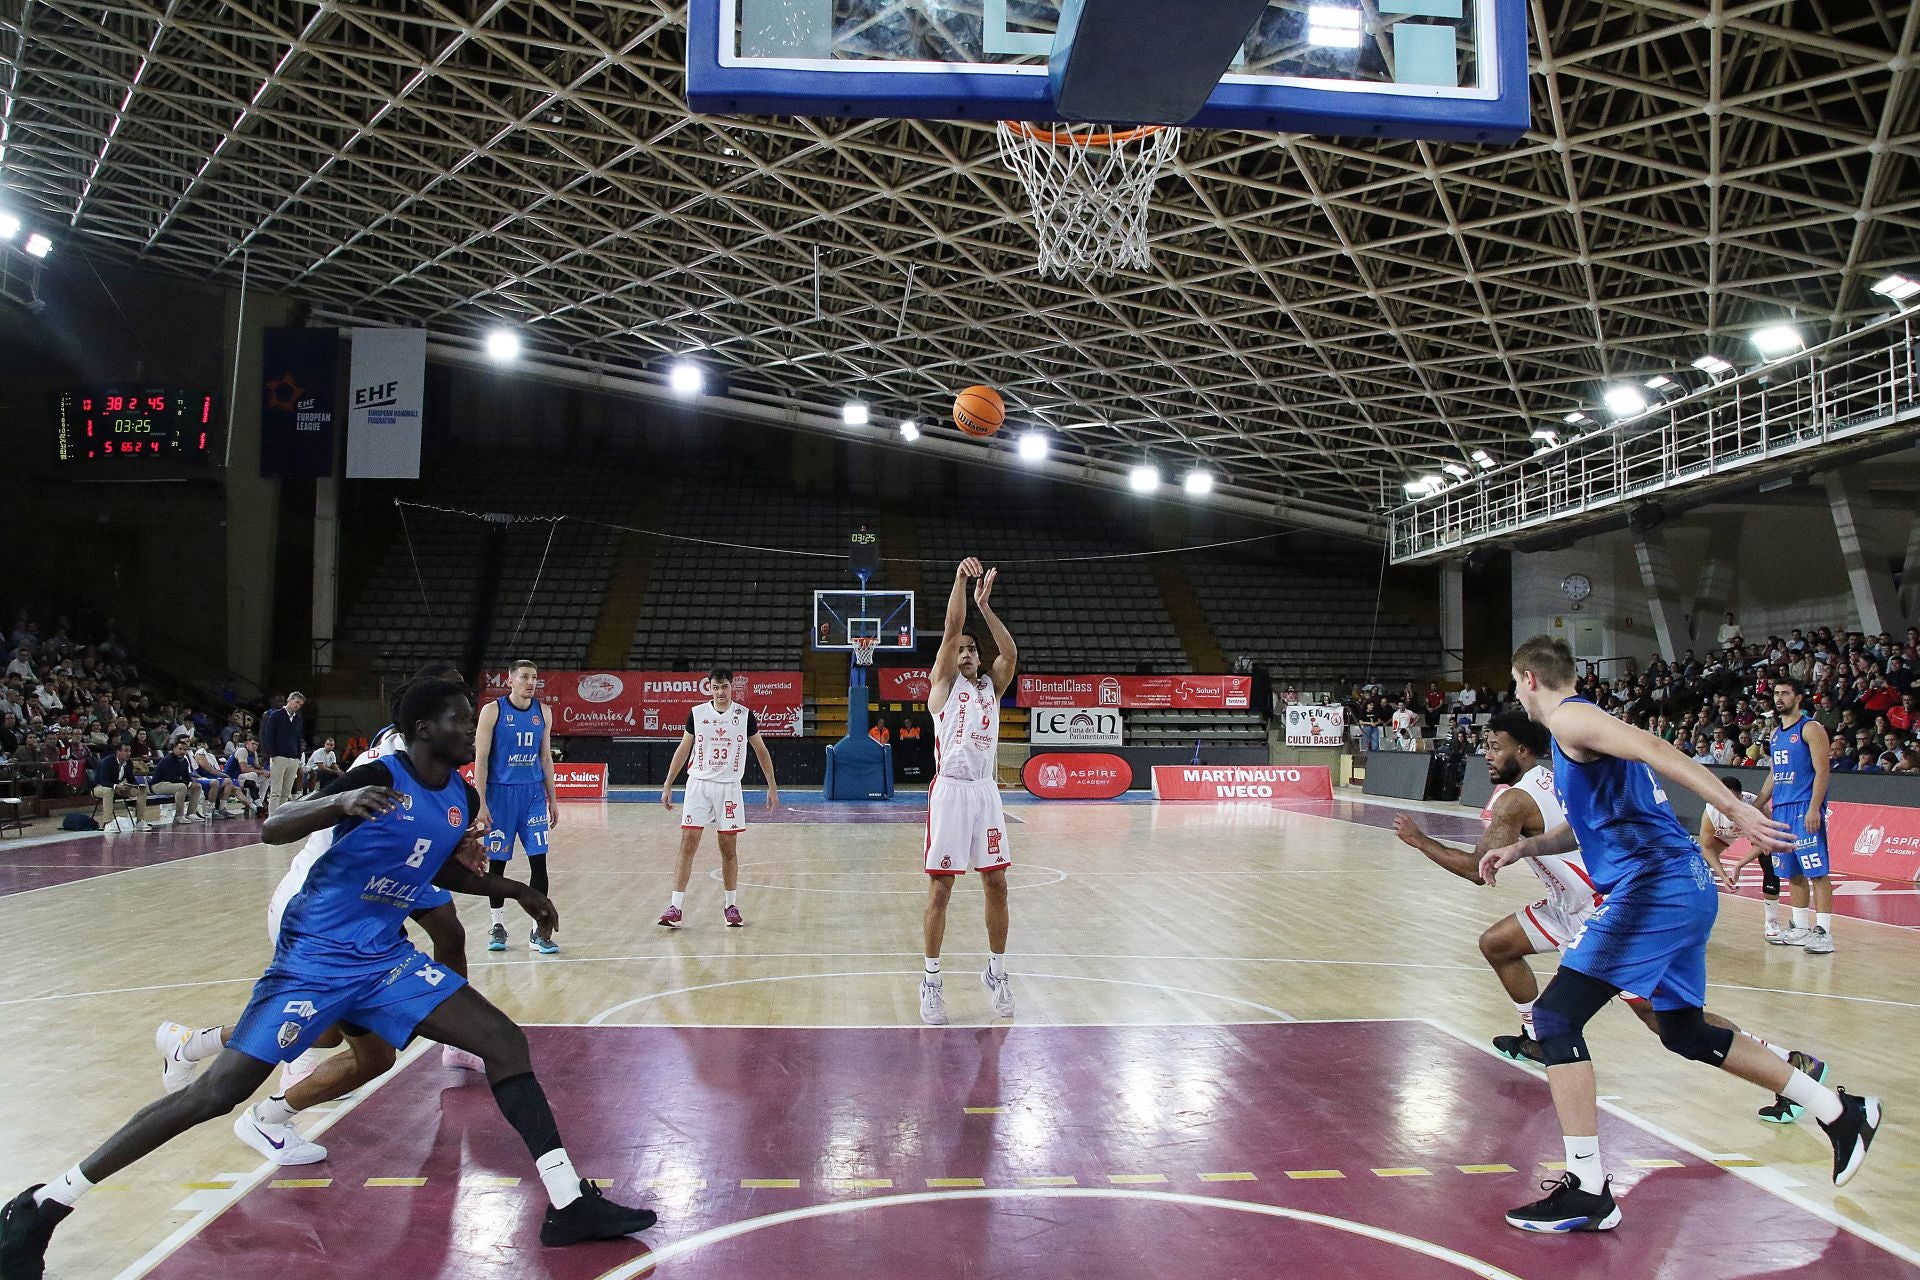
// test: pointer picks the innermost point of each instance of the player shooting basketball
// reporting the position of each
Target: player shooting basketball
(966, 829)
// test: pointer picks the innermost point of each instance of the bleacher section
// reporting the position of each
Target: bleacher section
(388, 623)
(1084, 615)
(748, 609)
(1311, 620)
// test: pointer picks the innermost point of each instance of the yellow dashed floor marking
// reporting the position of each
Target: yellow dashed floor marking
(396, 1182)
(300, 1183)
(1050, 1181)
(1402, 1173)
(1135, 1179)
(1315, 1173)
(1228, 1177)
(1486, 1168)
(956, 1182)
(985, 1111)
(1656, 1164)
(769, 1184)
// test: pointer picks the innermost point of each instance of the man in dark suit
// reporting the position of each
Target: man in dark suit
(173, 776)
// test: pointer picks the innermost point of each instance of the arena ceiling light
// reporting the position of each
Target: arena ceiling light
(1895, 288)
(1573, 419)
(9, 225)
(1033, 446)
(1659, 382)
(1455, 470)
(1144, 478)
(1713, 366)
(687, 378)
(1625, 402)
(1547, 434)
(1198, 483)
(1423, 486)
(1333, 26)
(38, 246)
(503, 345)
(1777, 340)
(909, 431)
(855, 414)
(1484, 458)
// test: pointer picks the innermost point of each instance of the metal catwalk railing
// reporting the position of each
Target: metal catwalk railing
(1840, 391)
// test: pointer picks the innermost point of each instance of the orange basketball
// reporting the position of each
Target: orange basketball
(978, 411)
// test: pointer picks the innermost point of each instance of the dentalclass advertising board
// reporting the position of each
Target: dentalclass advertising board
(654, 704)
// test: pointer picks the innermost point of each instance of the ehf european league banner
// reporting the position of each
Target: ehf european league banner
(298, 368)
(386, 387)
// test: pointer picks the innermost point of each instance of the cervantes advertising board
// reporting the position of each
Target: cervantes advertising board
(1079, 775)
(654, 704)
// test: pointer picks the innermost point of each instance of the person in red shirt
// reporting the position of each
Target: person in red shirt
(1880, 696)
(1902, 716)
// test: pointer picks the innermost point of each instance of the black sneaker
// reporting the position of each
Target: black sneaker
(1779, 1111)
(25, 1229)
(1783, 1111)
(1521, 1048)
(1851, 1135)
(591, 1217)
(1568, 1208)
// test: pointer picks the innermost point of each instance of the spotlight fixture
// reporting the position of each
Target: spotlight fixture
(1713, 366)
(687, 378)
(1198, 483)
(1895, 288)
(38, 246)
(9, 225)
(854, 414)
(1033, 446)
(1484, 459)
(503, 345)
(1575, 419)
(1777, 340)
(909, 431)
(1625, 402)
(1144, 478)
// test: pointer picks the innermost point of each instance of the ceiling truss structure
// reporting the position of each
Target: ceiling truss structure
(1325, 317)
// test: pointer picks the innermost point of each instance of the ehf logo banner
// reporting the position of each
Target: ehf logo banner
(1316, 726)
(386, 386)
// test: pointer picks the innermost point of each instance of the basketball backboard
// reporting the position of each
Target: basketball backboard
(1437, 69)
(840, 617)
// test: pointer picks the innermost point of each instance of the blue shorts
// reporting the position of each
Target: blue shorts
(289, 1010)
(430, 897)
(1808, 857)
(1650, 935)
(518, 811)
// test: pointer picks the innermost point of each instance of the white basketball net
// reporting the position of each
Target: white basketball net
(863, 650)
(1090, 187)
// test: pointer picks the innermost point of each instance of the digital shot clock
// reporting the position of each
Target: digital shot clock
(106, 424)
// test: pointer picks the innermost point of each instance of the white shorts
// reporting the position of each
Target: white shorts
(714, 804)
(1549, 928)
(966, 827)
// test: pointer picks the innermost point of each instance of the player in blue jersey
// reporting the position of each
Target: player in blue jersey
(1649, 936)
(1797, 792)
(342, 958)
(513, 768)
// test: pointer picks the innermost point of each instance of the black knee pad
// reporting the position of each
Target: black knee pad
(1688, 1033)
(1561, 1014)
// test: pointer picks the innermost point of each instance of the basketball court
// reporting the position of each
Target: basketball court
(1245, 1031)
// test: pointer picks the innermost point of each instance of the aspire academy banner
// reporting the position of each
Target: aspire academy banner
(654, 704)
(1232, 693)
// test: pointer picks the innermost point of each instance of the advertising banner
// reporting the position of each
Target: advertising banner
(1080, 776)
(1242, 782)
(1878, 840)
(570, 781)
(387, 382)
(1226, 692)
(1075, 727)
(297, 401)
(654, 704)
(901, 684)
(1316, 726)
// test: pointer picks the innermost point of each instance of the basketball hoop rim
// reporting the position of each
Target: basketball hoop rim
(1068, 138)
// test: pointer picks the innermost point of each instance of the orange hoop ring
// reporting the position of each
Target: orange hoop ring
(1068, 138)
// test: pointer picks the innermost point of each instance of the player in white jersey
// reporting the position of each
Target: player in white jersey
(1717, 835)
(318, 1075)
(713, 750)
(1524, 803)
(966, 828)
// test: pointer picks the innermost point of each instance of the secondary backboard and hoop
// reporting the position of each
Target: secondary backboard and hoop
(885, 618)
(1452, 70)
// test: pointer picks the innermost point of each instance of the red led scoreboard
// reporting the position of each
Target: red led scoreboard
(101, 424)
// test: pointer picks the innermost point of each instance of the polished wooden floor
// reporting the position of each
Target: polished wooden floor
(1123, 914)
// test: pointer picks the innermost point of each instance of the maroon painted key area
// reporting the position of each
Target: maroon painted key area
(1144, 1121)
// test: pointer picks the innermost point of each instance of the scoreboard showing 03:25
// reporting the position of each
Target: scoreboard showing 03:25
(101, 424)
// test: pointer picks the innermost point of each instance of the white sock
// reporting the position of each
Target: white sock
(1799, 917)
(1768, 1045)
(498, 915)
(1804, 1090)
(730, 897)
(202, 1044)
(1526, 1015)
(997, 964)
(66, 1189)
(556, 1170)
(1823, 921)
(274, 1110)
(932, 973)
(679, 899)
(1773, 910)
(1583, 1162)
